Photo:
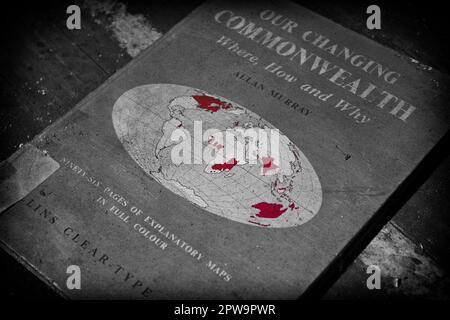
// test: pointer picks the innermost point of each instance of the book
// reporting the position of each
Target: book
(240, 157)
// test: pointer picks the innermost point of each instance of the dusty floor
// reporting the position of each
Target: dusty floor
(47, 69)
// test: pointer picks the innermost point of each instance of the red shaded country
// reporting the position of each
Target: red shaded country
(269, 210)
(211, 104)
(292, 206)
(225, 166)
(268, 164)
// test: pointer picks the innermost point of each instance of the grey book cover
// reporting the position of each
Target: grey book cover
(142, 188)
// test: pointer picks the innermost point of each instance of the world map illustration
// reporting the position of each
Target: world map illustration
(270, 193)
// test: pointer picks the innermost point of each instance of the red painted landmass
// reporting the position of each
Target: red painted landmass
(268, 164)
(292, 206)
(269, 210)
(211, 104)
(225, 166)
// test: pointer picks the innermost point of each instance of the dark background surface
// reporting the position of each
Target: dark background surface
(46, 69)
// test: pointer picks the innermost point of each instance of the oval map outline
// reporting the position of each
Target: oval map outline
(144, 119)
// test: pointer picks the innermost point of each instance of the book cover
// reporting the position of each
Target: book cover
(237, 158)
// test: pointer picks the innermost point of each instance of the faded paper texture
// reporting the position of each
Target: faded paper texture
(23, 172)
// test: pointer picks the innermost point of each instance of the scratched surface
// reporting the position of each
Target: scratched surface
(23, 173)
(55, 68)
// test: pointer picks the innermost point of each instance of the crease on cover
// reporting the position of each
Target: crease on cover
(22, 173)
